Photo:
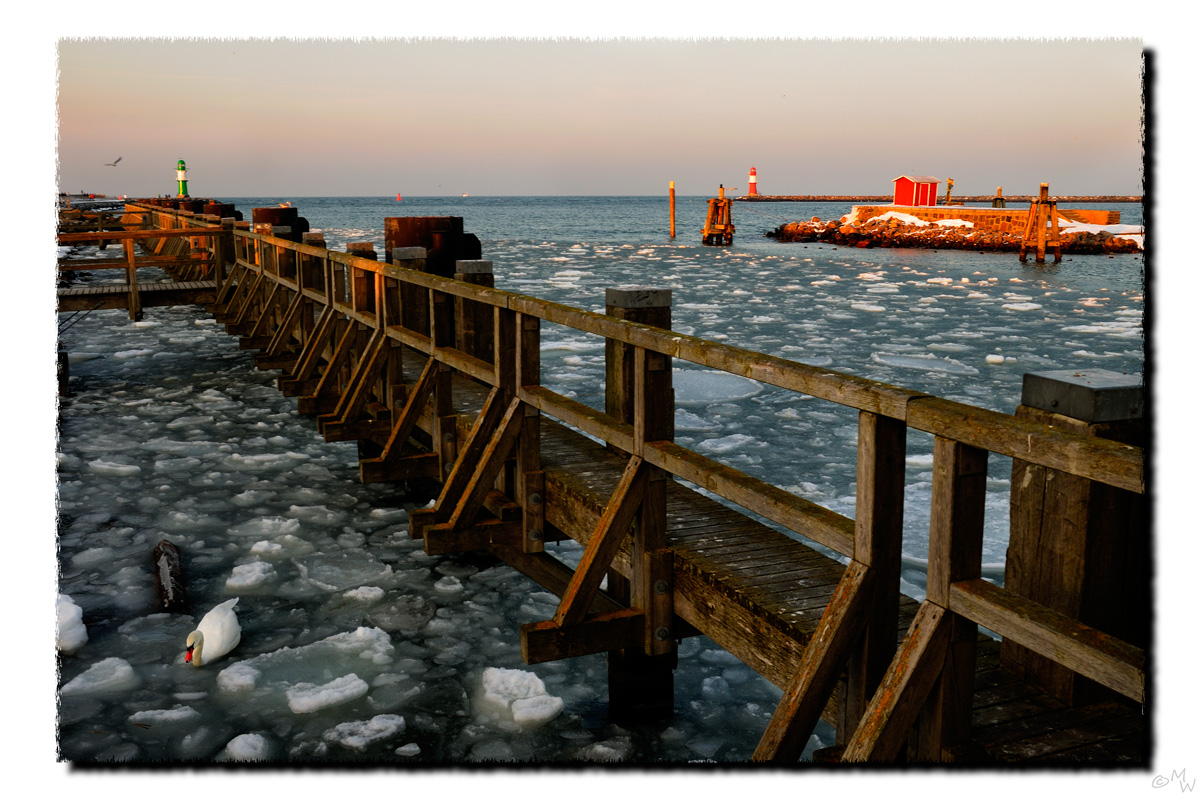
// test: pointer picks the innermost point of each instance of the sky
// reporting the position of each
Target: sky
(527, 116)
(380, 119)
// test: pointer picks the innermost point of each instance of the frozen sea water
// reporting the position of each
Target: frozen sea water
(170, 432)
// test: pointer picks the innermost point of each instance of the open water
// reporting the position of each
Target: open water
(355, 645)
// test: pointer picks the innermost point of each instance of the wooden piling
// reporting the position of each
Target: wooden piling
(672, 190)
(1076, 546)
(638, 390)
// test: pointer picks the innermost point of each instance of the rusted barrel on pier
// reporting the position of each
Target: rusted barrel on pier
(282, 216)
(223, 210)
(445, 244)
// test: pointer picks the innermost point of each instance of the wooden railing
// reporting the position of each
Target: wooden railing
(187, 253)
(888, 688)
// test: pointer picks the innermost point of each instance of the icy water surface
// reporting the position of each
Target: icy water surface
(355, 644)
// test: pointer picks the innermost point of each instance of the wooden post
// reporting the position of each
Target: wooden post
(878, 532)
(638, 390)
(1079, 547)
(135, 299)
(473, 332)
(1042, 211)
(672, 209)
(955, 549)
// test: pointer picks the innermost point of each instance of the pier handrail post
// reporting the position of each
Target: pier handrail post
(878, 534)
(473, 330)
(638, 390)
(135, 300)
(531, 483)
(955, 550)
(1077, 546)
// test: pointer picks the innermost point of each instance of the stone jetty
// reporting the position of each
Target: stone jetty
(894, 232)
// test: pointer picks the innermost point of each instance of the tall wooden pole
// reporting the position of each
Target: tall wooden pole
(672, 209)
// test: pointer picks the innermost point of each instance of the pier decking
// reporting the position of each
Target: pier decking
(439, 378)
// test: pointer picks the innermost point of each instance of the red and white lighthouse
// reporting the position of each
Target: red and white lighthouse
(753, 182)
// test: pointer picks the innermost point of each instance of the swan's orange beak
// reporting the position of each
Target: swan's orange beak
(188, 657)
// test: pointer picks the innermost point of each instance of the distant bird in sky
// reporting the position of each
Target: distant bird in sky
(114, 163)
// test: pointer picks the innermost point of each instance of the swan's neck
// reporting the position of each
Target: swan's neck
(197, 648)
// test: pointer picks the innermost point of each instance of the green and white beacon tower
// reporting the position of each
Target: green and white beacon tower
(181, 174)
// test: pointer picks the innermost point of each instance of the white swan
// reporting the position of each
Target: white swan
(215, 636)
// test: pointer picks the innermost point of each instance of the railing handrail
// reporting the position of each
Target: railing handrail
(1098, 459)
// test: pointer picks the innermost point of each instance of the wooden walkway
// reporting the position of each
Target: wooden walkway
(440, 378)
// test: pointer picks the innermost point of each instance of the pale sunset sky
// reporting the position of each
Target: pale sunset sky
(312, 117)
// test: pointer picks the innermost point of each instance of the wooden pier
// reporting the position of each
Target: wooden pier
(438, 377)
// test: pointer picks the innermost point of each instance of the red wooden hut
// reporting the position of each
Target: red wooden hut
(915, 190)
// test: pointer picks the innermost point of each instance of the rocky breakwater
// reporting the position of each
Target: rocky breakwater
(901, 230)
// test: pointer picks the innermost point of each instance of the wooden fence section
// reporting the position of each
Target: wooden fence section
(393, 357)
(193, 257)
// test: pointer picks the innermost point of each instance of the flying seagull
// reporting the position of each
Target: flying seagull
(114, 163)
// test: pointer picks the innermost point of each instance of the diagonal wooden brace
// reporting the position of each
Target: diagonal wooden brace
(362, 378)
(491, 461)
(603, 545)
(310, 356)
(824, 658)
(883, 731)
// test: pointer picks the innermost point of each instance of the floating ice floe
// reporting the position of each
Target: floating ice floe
(694, 387)
(520, 693)
(247, 747)
(111, 675)
(309, 698)
(250, 575)
(928, 363)
(359, 735)
(72, 632)
(173, 715)
(114, 469)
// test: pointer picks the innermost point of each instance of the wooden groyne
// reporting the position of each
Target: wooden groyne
(437, 375)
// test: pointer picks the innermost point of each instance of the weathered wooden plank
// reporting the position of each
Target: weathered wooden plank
(544, 641)
(1084, 649)
(1097, 459)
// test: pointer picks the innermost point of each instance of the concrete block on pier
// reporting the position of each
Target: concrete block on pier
(637, 297)
(1089, 395)
(408, 254)
(472, 267)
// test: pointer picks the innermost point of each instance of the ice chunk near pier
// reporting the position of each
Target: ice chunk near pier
(247, 746)
(72, 632)
(250, 575)
(359, 735)
(309, 698)
(111, 675)
(521, 693)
